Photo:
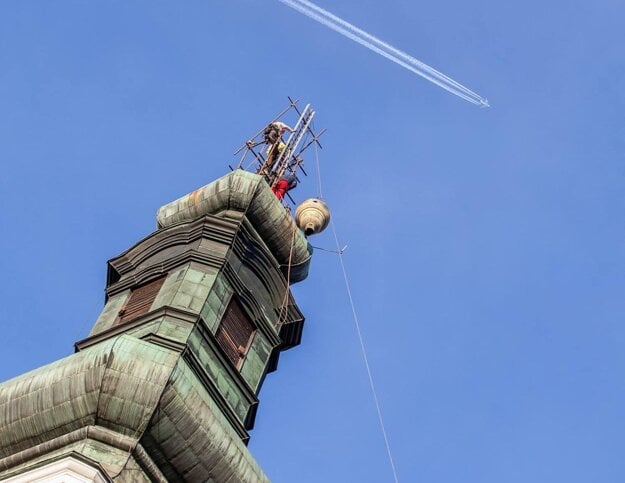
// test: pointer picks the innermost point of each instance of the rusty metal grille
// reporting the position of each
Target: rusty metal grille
(140, 301)
(235, 333)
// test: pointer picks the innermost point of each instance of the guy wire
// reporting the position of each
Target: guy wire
(364, 355)
(318, 171)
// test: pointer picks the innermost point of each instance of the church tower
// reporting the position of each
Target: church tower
(165, 387)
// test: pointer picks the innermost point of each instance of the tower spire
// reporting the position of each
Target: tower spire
(165, 387)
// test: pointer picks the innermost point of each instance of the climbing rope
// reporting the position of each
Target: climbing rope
(364, 354)
(318, 172)
(339, 251)
(284, 309)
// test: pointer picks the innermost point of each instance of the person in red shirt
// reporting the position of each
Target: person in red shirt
(284, 184)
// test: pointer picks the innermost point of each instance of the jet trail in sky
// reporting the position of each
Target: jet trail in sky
(376, 45)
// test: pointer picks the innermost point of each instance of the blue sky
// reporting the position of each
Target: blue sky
(486, 246)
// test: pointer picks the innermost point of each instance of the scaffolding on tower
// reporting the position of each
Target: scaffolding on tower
(277, 158)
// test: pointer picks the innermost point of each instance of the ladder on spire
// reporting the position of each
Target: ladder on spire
(287, 160)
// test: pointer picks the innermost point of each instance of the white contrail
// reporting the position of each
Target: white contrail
(388, 51)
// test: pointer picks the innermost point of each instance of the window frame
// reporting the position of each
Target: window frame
(139, 301)
(224, 334)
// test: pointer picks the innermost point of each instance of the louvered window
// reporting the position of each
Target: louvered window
(140, 301)
(235, 333)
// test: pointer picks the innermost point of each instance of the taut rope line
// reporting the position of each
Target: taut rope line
(364, 355)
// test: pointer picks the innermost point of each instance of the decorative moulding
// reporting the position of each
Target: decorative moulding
(65, 470)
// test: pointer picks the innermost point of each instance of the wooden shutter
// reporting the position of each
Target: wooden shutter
(140, 301)
(235, 333)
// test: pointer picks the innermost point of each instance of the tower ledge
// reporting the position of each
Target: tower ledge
(134, 396)
(238, 194)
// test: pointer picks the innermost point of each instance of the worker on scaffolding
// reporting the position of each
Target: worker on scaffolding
(273, 137)
(274, 131)
(273, 153)
(284, 184)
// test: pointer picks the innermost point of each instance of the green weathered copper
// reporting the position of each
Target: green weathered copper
(156, 398)
(120, 388)
(245, 192)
